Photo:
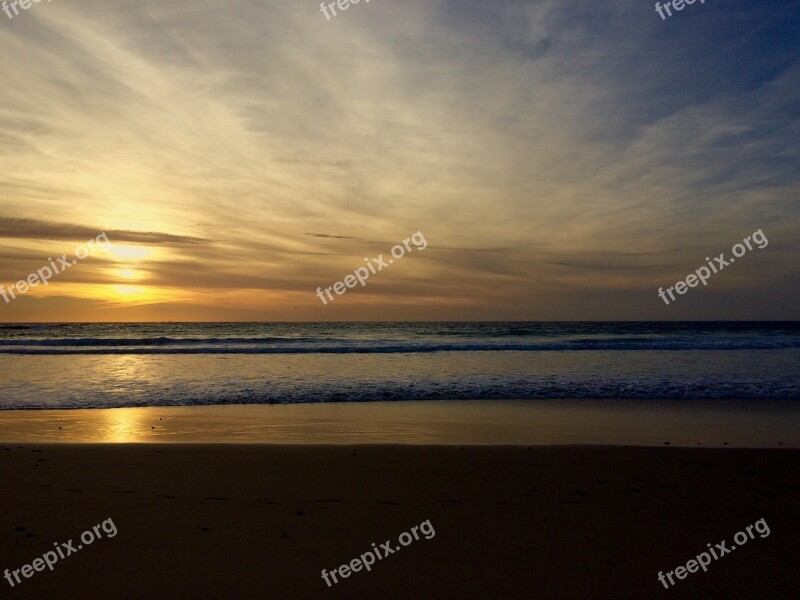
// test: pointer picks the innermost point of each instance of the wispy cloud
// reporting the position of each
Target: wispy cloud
(562, 157)
(335, 237)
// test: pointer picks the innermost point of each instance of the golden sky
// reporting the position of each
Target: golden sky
(562, 161)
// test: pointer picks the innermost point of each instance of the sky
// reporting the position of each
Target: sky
(562, 159)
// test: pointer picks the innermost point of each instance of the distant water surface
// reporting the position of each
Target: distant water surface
(165, 364)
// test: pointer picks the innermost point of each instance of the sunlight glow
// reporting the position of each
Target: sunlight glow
(126, 291)
(128, 273)
(129, 252)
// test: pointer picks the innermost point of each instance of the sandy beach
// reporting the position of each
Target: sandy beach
(240, 521)
(758, 423)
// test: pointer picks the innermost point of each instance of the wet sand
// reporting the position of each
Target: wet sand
(708, 423)
(245, 521)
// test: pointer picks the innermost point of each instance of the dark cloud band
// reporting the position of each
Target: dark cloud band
(48, 230)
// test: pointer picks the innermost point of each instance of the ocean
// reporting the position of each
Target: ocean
(49, 366)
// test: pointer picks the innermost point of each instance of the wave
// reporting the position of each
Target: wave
(154, 341)
(363, 391)
(277, 345)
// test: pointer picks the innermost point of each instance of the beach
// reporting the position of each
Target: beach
(236, 521)
(578, 498)
(719, 423)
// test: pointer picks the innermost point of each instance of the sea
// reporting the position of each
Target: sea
(104, 365)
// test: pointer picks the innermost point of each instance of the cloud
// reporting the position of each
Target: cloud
(551, 150)
(336, 237)
(47, 230)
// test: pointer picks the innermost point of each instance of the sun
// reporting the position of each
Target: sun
(128, 273)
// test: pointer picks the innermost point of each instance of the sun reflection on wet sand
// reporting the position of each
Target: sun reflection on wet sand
(122, 425)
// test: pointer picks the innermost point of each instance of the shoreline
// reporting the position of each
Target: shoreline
(689, 423)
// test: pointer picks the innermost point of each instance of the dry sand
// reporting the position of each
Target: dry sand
(253, 521)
